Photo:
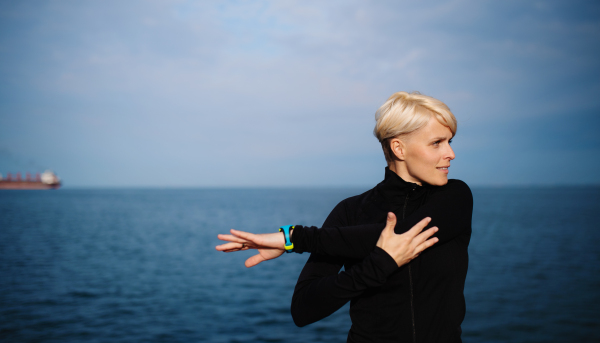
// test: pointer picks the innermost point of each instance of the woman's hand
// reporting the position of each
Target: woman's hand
(405, 247)
(269, 245)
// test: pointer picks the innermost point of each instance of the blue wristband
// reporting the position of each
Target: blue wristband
(289, 246)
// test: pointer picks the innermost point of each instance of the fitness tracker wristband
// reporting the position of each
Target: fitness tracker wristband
(289, 246)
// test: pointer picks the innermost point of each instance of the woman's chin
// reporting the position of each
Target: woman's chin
(439, 181)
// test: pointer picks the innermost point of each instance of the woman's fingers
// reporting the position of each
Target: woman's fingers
(244, 235)
(423, 236)
(390, 223)
(428, 243)
(231, 238)
(253, 260)
(274, 240)
(271, 240)
(406, 246)
(229, 247)
(418, 227)
(240, 237)
(422, 241)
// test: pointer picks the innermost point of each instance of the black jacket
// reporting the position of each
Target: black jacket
(422, 301)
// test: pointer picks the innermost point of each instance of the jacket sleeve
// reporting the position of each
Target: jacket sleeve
(321, 289)
(450, 208)
(355, 242)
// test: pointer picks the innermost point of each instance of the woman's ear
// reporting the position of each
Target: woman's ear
(398, 148)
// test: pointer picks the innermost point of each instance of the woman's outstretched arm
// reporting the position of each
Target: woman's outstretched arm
(450, 206)
(401, 247)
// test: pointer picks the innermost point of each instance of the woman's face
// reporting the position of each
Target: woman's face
(427, 154)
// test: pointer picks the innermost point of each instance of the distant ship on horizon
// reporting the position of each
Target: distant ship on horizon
(46, 180)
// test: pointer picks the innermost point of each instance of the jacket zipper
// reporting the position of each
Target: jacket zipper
(410, 281)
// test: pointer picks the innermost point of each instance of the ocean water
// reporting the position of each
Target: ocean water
(140, 266)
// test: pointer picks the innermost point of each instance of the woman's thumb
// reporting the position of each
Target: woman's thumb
(391, 222)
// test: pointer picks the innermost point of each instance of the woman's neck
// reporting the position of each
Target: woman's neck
(399, 167)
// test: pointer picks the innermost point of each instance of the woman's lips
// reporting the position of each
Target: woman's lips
(443, 169)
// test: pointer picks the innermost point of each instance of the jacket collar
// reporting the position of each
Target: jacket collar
(393, 188)
(389, 196)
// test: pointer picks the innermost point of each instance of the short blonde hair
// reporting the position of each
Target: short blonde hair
(404, 113)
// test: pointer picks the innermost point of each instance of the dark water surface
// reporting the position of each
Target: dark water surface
(140, 266)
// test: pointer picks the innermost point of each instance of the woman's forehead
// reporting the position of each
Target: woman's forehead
(434, 129)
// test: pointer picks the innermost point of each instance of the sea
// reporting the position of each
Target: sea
(140, 265)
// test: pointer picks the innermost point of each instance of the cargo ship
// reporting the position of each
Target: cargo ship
(46, 180)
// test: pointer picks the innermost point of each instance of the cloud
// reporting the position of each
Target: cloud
(158, 85)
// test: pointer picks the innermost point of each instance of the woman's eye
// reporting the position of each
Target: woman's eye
(436, 143)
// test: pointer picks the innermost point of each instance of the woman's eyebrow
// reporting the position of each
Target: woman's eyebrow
(439, 138)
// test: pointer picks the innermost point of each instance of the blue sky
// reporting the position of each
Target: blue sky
(283, 93)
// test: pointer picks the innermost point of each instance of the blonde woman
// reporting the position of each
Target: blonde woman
(403, 285)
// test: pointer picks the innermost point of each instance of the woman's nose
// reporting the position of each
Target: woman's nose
(450, 153)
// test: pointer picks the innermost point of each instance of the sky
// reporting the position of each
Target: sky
(283, 93)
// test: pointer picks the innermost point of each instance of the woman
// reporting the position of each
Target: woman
(406, 294)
